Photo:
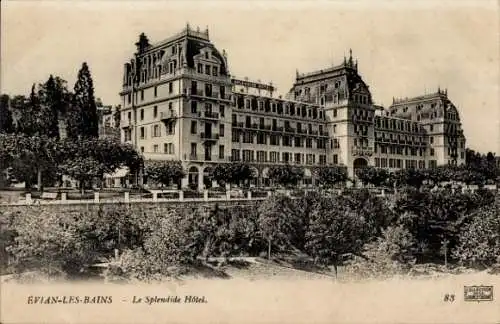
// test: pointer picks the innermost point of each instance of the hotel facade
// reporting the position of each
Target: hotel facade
(180, 102)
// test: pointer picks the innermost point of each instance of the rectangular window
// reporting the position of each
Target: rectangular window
(221, 130)
(235, 136)
(200, 68)
(156, 131)
(214, 71)
(142, 114)
(221, 110)
(143, 133)
(207, 69)
(156, 92)
(155, 111)
(194, 107)
(165, 148)
(322, 159)
(129, 115)
(142, 149)
(335, 159)
(142, 94)
(193, 149)
(193, 127)
(170, 87)
(298, 142)
(221, 151)
(129, 98)
(235, 155)
(248, 137)
(155, 148)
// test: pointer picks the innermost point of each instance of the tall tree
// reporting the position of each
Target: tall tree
(6, 125)
(29, 113)
(50, 99)
(82, 118)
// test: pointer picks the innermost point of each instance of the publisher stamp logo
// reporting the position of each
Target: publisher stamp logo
(478, 293)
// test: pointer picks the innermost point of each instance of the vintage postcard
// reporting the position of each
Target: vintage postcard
(249, 162)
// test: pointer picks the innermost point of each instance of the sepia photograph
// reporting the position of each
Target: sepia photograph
(249, 161)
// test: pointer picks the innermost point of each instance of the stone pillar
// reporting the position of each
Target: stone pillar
(205, 195)
(64, 196)
(228, 195)
(96, 197)
(185, 182)
(249, 194)
(155, 196)
(127, 196)
(181, 195)
(200, 181)
(29, 201)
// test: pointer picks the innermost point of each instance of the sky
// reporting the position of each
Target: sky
(404, 49)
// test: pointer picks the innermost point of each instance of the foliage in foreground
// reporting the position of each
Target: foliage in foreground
(366, 233)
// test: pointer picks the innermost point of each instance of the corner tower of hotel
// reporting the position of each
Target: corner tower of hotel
(179, 102)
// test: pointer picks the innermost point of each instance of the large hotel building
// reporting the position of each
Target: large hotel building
(179, 102)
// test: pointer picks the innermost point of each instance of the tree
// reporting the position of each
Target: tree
(232, 173)
(377, 214)
(434, 217)
(274, 223)
(286, 174)
(90, 158)
(6, 123)
(410, 177)
(49, 242)
(28, 156)
(117, 117)
(82, 117)
(334, 231)
(28, 110)
(372, 175)
(51, 103)
(329, 176)
(479, 241)
(483, 164)
(164, 172)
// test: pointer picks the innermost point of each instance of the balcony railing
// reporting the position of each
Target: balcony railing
(166, 115)
(255, 126)
(324, 134)
(289, 130)
(212, 136)
(361, 151)
(301, 131)
(124, 123)
(195, 92)
(209, 115)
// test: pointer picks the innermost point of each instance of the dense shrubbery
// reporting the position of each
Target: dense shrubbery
(367, 233)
